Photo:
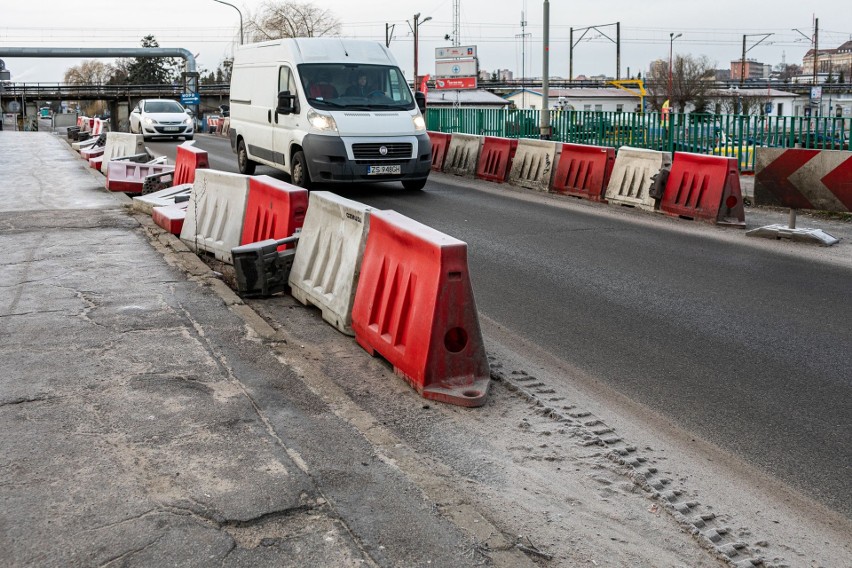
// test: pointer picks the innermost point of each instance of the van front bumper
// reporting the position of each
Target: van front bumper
(329, 162)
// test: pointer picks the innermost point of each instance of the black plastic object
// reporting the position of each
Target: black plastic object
(261, 269)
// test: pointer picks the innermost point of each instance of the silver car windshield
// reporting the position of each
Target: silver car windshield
(162, 106)
(354, 86)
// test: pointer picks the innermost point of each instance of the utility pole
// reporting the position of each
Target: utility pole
(816, 60)
(545, 75)
(389, 33)
(571, 55)
(572, 44)
(617, 51)
(816, 48)
(763, 38)
(414, 30)
(523, 35)
(456, 23)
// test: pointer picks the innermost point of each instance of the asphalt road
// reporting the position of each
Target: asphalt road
(748, 348)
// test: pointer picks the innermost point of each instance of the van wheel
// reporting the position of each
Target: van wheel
(414, 184)
(299, 174)
(244, 163)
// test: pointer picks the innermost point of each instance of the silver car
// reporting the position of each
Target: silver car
(161, 118)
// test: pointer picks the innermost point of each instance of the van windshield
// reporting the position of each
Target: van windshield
(353, 86)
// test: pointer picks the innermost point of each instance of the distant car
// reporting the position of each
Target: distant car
(161, 118)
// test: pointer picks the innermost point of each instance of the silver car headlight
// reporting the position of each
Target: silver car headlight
(322, 122)
(419, 123)
(149, 122)
(188, 121)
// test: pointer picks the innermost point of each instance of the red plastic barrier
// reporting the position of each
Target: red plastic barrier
(170, 217)
(129, 177)
(189, 158)
(704, 187)
(495, 158)
(97, 127)
(414, 306)
(440, 143)
(89, 153)
(96, 162)
(274, 210)
(583, 171)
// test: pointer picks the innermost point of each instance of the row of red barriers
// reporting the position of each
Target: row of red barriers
(699, 187)
(414, 303)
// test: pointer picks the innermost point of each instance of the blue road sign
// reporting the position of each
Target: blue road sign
(190, 99)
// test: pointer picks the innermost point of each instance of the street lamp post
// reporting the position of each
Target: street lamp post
(672, 37)
(238, 12)
(415, 29)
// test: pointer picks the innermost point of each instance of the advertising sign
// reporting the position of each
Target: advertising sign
(451, 52)
(456, 68)
(816, 93)
(456, 83)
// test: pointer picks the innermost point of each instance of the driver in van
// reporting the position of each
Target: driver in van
(360, 88)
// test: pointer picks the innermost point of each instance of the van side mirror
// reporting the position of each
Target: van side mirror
(286, 103)
(420, 99)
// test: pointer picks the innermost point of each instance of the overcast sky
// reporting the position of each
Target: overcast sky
(210, 30)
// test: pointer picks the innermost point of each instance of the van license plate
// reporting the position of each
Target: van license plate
(378, 170)
(171, 129)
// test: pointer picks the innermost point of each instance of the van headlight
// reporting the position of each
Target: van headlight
(419, 123)
(322, 122)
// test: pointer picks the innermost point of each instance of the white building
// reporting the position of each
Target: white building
(474, 98)
(604, 99)
(779, 103)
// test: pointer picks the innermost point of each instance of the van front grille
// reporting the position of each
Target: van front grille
(373, 151)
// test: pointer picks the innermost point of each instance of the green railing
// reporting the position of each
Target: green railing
(720, 135)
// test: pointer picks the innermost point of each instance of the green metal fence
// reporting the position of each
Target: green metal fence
(720, 135)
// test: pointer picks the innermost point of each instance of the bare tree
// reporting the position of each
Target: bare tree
(290, 18)
(738, 102)
(90, 72)
(691, 80)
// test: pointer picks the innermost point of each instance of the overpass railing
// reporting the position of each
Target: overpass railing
(714, 134)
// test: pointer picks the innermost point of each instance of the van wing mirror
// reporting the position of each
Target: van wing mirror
(287, 103)
(420, 99)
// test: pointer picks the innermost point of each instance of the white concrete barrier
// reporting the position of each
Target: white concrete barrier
(462, 155)
(162, 198)
(328, 258)
(120, 144)
(631, 176)
(533, 164)
(214, 216)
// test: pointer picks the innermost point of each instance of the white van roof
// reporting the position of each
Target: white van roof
(318, 50)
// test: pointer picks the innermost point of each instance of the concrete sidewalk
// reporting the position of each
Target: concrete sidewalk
(145, 421)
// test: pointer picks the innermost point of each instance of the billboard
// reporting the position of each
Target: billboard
(452, 52)
(455, 83)
(456, 68)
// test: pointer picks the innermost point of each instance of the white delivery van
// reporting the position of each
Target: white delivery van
(327, 110)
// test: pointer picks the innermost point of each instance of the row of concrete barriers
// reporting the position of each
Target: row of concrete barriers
(697, 186)
(401, 288)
